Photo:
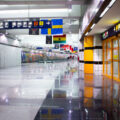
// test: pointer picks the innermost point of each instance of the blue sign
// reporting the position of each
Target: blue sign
(75, 49)
(39, 48)
(57, 28)
(25, 24)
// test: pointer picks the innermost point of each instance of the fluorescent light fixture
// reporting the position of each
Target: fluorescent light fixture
(2, 6)
(86, 34)
(36, 10)
(92, 26)
(51, 10)
(111, 3)
(13, 11)
(106, 9)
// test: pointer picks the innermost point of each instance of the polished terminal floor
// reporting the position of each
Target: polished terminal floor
(50, 91)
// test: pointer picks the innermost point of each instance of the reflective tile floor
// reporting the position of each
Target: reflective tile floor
(51, 91)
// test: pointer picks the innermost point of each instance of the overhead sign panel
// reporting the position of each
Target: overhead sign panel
(56, 28)
(48, 39)
(25, 24)
(33, 31)
(114, 30)
(48, 27)
(59, 39)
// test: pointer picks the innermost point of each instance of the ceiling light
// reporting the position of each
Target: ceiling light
(86, 34)
(12, 11)
(51, 10)
(92, 26)
(111, 3)
(36, 10)
(106, 9)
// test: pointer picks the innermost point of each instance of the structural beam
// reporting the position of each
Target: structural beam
(42, 2)
(27, 18)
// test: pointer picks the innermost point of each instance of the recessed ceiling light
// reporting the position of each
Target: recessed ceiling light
(92, 26)
(36, 10)
(103, 13)
(111, 3)
(107, 8)
(86, 34)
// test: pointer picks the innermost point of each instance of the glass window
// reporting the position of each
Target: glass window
(119, 69)
(108, 45)
(109, 68)
(104, 68)
(115, 54)
(104, 50)
(104, 55)
(104, 46)
(108, 54)
(119, 48)
(115, 69)
(115, 43)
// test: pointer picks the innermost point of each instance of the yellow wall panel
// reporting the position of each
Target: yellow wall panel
(88, 92)
(88, 68)
(88, 41)
(88, 79)
(88, 102)
(88, 55)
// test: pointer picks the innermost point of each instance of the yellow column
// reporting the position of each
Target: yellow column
(88, 54)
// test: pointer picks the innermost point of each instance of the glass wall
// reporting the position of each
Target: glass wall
(111, 59)
(104, 57)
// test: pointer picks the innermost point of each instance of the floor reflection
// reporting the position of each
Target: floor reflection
(74, 96)
(111, 98)
(57, 91)
(63, 100)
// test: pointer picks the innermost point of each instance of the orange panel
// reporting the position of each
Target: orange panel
(88, 55)
(88, 41)
(88, 92)
(88, 102)
(88, 68)
(88, 78)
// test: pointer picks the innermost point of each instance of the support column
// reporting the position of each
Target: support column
(88, 54)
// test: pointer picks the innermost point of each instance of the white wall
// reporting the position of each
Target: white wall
(10, 56)
(72, 39)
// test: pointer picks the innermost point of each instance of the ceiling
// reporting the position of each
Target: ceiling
(26, 9)
(109, 19)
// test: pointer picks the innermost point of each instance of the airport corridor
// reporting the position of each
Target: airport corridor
(46, 91)
(59, 60)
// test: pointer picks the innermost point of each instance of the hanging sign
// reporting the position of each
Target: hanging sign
(111, 32)
(25, 24)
